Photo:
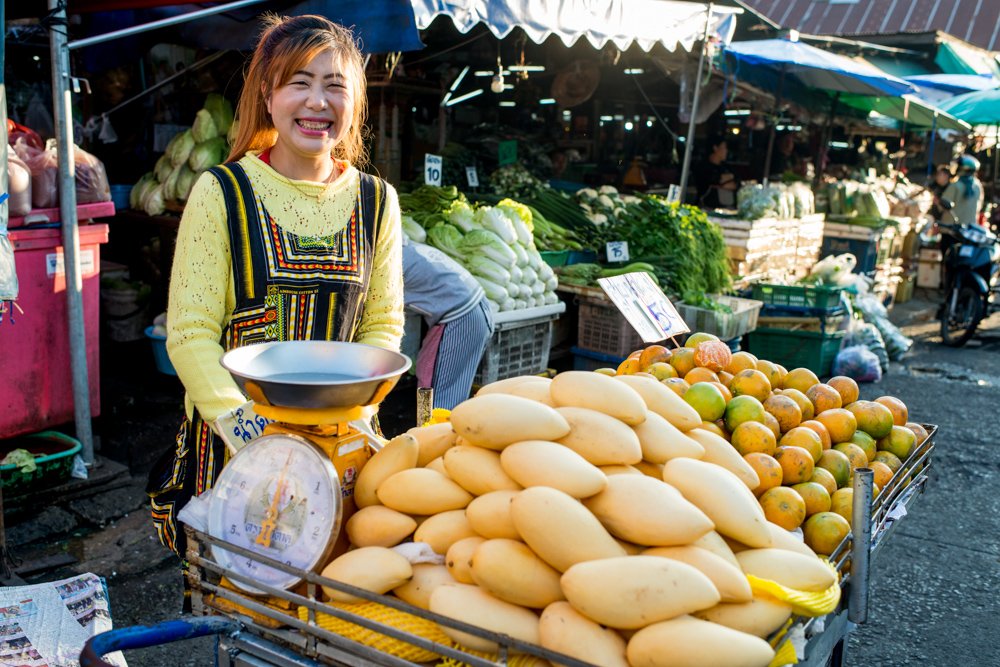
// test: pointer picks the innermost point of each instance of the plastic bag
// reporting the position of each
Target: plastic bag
(19, 178)
(868, 335)
(874, 312)
(859, 363)
(91, 178)
(44, 166)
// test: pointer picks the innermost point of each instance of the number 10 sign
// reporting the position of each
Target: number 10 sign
(432, 169)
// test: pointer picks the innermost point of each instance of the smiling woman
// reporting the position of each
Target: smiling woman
(286, 241)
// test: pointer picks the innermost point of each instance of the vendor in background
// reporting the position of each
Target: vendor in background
(286, 241)
(786, 158)
(458, 317)
(941, 180)
(713, 177)
(963, 197)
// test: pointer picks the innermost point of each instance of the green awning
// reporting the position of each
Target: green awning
(916, 113)
(955, 58)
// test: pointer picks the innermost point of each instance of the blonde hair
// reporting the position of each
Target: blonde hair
(288, 44)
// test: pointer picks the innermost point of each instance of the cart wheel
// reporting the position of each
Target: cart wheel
(142, 636)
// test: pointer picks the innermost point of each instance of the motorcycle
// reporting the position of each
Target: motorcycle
(972, 280)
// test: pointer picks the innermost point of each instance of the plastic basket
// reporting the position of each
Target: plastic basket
(798, 296)
(581, 257)
(796, 349)
(588, 360)
(517, 348)
(555, 257)
(726, 326)
(160, 352)
(51, 469)
(602, 328)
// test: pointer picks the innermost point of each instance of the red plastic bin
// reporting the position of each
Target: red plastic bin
(37, 388)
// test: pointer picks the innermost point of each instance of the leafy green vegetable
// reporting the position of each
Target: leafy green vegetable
(412, 230)
(484, 267)
(447, 239)
(208, 154)
(222, 112)
(21, 458)
(204, 127)
(180, 148)
(486, 243)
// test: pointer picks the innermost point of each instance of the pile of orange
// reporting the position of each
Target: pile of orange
(804, 438)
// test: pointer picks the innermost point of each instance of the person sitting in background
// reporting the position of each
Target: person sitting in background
(458, 317)
(714, 179)
(964, 196)
(786, 159)
(941, 180)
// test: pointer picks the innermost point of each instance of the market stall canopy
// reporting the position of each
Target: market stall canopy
(978, 108)
(812, 68)
(645, 23)
(909, 109)
(955, 83)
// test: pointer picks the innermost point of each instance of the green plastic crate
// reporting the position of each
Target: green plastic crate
(52, 469)
(796, 349)
(555, 257)
(798, 296)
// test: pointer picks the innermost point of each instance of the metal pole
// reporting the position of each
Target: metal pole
(162, 23)
(861, 530)
(63, 117)
(688, 143)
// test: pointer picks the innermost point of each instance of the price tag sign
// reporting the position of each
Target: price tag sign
(472, 176)
(617, 251)
(644, 305)
(674, 193)
(432, 169)
(507, 152)
(240, 427)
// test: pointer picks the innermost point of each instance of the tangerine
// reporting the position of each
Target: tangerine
(873, 418)
(772, 423)
(815, 495)
(700, 374)
(805, 405)
(743, 409)
(697, 338)
(750, 437)
(634, 354)
(837, 464)
(741, 361)
(707, 400)
(900, 442)
(723, 389)
(806, 438)
(801, 379)
(785, 410)
(628, 366)
(725, 378)
(824, 435)
(713, 355)
(842, 503)
(846, 387)
(770, 371)
(796, 464)
(825, 531)
(682, 359)
(865, 442)
(882, 473)
(900, 414)
(823, 397)
(768, 471)
(678, 385)
(653, 354)
(825, 478)
(782, 374)
(889, 459)
(855, 454)
(918, 431)
(713, 427)
(784, 507)
(662, 370)
(840, 423)
(751, 383)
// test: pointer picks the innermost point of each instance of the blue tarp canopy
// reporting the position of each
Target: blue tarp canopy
(979, 108)
(955, 83)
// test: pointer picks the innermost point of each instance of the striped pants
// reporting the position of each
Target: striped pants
(453, 351)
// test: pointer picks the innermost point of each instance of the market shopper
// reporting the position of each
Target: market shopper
(714, 178)
(964, 196)
(786, 158)
(937, 186)
(458, 317)
(286, 241)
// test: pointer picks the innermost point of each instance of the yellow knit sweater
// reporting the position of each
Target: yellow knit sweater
(202, 297)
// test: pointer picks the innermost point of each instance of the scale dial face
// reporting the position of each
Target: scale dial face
(280, 497)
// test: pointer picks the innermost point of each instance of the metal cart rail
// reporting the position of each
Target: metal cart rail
(244, 622)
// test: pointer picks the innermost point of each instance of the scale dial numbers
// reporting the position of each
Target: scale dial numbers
(280, 497)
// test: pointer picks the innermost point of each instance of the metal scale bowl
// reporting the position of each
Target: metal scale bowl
(286, 494)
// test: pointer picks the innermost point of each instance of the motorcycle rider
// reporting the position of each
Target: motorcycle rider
(964, 196)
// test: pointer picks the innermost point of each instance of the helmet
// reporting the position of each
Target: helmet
(968, 162)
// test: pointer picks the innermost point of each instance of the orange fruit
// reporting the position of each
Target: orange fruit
(699, 374)
(825, 531)
(865, 442)
(840, 423)
(855, 454)
(678, 385)
(750, 437)
(699, 337)
(725, 378)
(882, 473)
(796, 464)
(707, 400)
(842, 503)
(713, 427)
(846, 387)
(743, 409)
(634, 354)
(785, 410)
(900, 442)
(662, 370)
(824, 435)
(825, 478)
(900, 414)
(801, 379)
(713, 355)
(682, 359)
(770, 371)
(741, 361)
(806, 438)
(784, 507)
(782, 374)
(768, 471)
(918, 431)
(628, 366)
(723, 389)
(837, 464)
(889, 459)
(653, 354)
(805, 405)
(823, 397)
(751, 383)
(815, 495)
(772, 423)
(873, 418)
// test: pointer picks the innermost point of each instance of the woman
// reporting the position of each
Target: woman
(942, 178)
(964, 196)
(714, 178)
(287, 241)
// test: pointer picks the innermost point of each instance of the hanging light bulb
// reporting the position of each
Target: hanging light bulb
(496, 85)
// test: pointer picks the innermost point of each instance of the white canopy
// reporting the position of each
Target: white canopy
(671, 23)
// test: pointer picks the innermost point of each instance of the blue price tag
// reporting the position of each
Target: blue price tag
(617, 251)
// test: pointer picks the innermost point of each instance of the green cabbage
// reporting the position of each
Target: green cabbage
(462, 216)
(204, 127)
(170, 185)
(139, 189)
(521, 255)
(185, 182)
(208, 154)
(222, 112)
(163, 168)
(412, 230)
(520, 216)
(483, 267)
(152, 203)
(447, 239)
(486, 243)
(497, 222)
(494, 292)
(180, 148)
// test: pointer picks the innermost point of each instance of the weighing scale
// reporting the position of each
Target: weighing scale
(287, 494)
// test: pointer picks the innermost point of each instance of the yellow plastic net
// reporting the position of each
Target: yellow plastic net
(438, 416)
(513, 660)
(400, 620)
(784, 655)
(804, 603)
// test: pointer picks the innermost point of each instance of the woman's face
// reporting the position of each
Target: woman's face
(942, 177)
(312, 111)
